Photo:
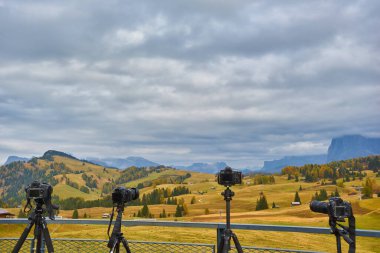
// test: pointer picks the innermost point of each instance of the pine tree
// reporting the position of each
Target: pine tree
(323, 195)
(145, 211)
(261, 203)
(75, 214)
(207, 211)
(273, 205)
(300, 189)
(334, 176)
(368, 187)
(193, 201)
(297, 198)
(185, 209)
(178, 211)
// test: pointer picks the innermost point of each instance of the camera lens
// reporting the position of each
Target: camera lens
(319, 207)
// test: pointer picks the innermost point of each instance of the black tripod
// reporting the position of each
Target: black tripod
(117, 236)
(225, 242)
(348, 233)
(41, 233)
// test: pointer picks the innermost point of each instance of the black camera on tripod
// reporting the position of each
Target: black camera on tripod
(41, 194)
(336, 207)
(229, 177)
(122, 195)
(39, 191)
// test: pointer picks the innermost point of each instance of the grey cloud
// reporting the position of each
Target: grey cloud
(183, 81)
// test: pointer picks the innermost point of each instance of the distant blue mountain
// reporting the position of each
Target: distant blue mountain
(122, 163)
(203, 167)
(351, 146)
(13, 158)
(341, 148)
(276, 165)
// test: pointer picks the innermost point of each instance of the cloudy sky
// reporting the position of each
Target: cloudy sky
(185, 81)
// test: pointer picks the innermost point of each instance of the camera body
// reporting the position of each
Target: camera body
(41, 194)
(39, 191)
(121, 195)
(336, 208)
(229, 177)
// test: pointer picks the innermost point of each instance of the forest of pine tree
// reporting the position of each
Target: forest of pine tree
(261, 203)
(334, 170)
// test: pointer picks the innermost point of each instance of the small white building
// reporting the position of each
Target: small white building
(296, 203)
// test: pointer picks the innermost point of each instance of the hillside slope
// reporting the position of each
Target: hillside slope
(72, 177)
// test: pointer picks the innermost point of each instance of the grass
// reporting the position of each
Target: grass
(68, 191)
(154, 175)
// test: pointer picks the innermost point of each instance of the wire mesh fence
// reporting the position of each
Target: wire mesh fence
(95, 246)
(270, 250)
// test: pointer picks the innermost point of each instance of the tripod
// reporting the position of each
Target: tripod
(41, 233)
(225, 243)
(348, 233)
(117, 236)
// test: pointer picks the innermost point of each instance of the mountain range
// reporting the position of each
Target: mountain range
(341, 148)
(122, 163)
(14, 158)
(203, 167)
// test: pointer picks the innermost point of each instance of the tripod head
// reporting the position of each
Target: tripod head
(228, 194)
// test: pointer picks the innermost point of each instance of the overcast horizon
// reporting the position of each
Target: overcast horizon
(178, 82)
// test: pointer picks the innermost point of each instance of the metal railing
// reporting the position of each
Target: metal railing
(155, 223)
(90, 245)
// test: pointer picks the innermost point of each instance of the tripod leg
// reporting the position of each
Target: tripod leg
(338, 244)
(226, 244)
(126, 246)
(38, 235)
(23, 236)
(237, 243)
(114, 247)
(46, 235)
(221, 246)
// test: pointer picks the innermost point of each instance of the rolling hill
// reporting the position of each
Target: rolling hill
(199, 193)
(72, 177)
